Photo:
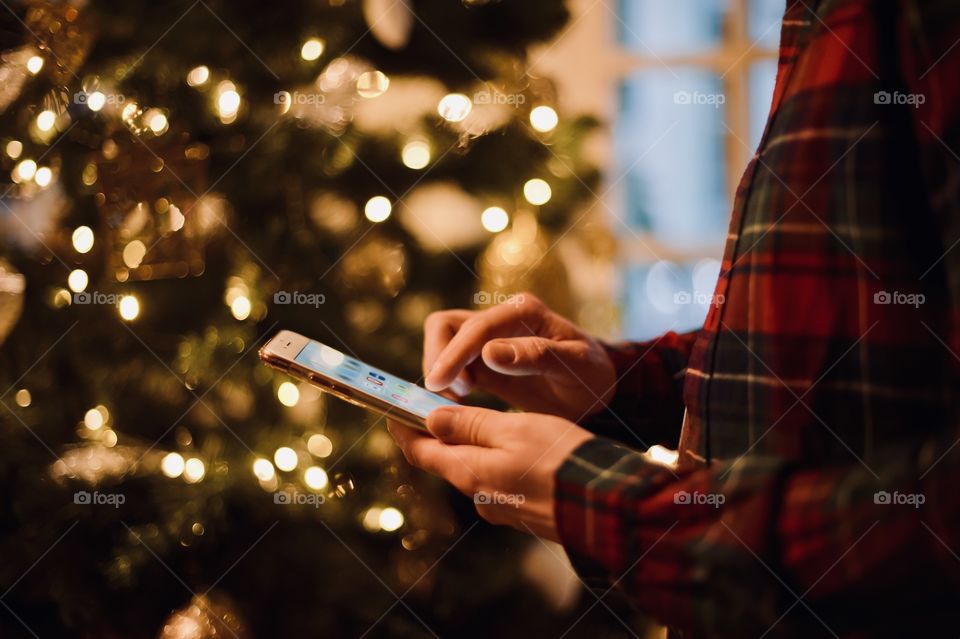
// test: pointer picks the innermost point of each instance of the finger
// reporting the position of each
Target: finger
(469, 425)
(506, 320)
(438, 330)
(533, 355)
(457, 464)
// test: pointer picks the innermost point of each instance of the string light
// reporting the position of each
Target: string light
(537, 192)
(82, 239)
(288, 394)
(371, 84)
(315, 478)
(494, 219)
(416, 154)
(34, 64)
(23, 398)
(228, 102)
(454, 107)
(96, 101)
(172, 465)
(320, 445)
(46, 120)
(198, 76)
(193, 470)
(240, 307)
(285, 458)
(77, 280)
(311, 49)
(544, 119)
(25, 170)
(93, 419)
(390, 519)
(133, 253)
(129, 307)
(14, 148)
(377, 209)
(43, 176)
(156, 121)
(371, 519)
(263, 469)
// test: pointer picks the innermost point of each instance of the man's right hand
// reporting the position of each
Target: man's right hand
(522, 352)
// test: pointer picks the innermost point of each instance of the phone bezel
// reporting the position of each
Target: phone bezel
(280, 352)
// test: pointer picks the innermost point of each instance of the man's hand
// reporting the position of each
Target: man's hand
(505, 461)
(522, 352)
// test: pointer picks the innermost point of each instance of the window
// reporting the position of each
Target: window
(693, 101)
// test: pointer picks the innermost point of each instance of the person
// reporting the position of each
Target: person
(815, 488)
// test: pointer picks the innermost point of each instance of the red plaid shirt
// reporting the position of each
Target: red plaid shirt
(818, 490)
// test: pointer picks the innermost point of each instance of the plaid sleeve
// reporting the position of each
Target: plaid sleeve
(647, 408)
(739, 544)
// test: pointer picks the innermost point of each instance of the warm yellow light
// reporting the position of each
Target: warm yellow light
(129, 307)
(93, 419)
(14, 148)
(319, 445)
(23, 398)
(198, 75)
(172, 465)
(83, 239)
(370, 84)
(26, 169)
(129, 110)
(454, 107)
(311, 49)
(34, 64)
(109, 438)
(77, 280)
(390, 519)
(240, 307)
(285, 458)
(288, 394)
(46, 120)
(537, 191)
(544, 119)
(43, 176)
(133, 253)
(315, 477)
(263, 469)
(193, 470)
(157, 121)
(416, 154)
(377, 209)
(96, 101)
(494, 219)
(371, 519)
(228, 101)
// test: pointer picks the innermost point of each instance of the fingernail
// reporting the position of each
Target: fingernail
(503, 353)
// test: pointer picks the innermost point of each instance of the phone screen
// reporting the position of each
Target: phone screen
(367, 379)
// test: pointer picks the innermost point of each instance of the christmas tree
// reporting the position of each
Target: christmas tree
(182, 179)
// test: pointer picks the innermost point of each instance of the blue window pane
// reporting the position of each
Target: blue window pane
(764, 19)
(667, 27)
(763, 76)
(664, 296)
(670, 152)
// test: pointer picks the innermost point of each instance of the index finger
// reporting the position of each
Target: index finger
(438, 330)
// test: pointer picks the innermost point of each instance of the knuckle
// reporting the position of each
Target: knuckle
(436, 320)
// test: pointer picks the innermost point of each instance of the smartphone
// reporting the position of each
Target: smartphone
(350, 379)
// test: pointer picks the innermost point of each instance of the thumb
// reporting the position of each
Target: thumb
(467, 425)
(531, 355)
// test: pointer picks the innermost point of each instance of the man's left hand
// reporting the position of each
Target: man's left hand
(506, 461)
